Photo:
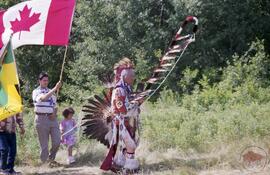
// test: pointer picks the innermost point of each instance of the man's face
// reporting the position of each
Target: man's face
(130, 77)
(44, 82)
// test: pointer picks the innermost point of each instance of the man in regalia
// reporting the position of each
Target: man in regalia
(123, 137)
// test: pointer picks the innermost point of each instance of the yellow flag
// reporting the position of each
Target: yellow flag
(10, 99)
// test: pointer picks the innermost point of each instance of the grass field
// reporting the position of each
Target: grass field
(175, 140)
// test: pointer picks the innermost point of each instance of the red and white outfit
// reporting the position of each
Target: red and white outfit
(124, 126)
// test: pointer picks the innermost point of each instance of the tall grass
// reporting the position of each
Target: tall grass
(173, 126)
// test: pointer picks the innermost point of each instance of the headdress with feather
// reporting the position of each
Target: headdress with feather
(123, 64)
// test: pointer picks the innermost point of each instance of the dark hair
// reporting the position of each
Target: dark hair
(68, 111)
(42, 75)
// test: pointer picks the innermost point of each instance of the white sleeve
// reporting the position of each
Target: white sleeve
(61, 127)
(36, 95)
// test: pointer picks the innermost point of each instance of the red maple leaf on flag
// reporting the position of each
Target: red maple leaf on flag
(26, 21)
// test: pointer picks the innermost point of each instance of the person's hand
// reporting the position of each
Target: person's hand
(22, 131)
(141, 101)
(58, 85)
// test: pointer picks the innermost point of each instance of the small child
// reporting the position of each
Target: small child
(68, 129)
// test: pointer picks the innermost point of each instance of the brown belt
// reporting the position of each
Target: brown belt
(46, 114)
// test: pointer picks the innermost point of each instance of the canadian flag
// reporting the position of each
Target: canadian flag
(37, 22)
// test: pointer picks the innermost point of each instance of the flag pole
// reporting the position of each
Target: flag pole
(13, 54)
(63, 64)
(19, 85)
(62, 69)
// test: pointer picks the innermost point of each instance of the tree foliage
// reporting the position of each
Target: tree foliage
(105, 31)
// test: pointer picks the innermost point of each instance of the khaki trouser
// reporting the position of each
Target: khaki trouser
(47, 127)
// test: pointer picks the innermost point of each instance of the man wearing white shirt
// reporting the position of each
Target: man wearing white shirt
(45, 119)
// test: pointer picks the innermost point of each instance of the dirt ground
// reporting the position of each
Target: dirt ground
(169, 162)
(158, 170)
